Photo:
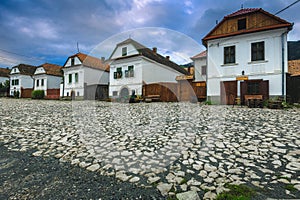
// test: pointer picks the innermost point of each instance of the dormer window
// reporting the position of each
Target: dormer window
(242, 24)
(124, 51)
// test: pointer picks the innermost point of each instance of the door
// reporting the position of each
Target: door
(228, 92)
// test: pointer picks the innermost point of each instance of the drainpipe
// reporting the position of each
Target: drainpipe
(282, 63)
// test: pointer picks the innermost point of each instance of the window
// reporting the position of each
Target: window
(242, 24)
(115, 93)
(124, 51)
(229, 54)
(42, 82)
(118, 73)
(203, 70)
(72, 61)
(70, 78)
(17, 82)
(253, 87)
(76, 77)
(257, 51)
(67, 94)
(37, 83)
(129, 72)
(78, 94)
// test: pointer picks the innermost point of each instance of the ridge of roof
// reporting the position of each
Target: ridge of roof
(242, 11)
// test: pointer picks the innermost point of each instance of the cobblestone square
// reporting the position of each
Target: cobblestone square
(175, 147)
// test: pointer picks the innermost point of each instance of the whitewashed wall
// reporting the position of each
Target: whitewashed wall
(198, 63)
(130, 51)
(270, 69)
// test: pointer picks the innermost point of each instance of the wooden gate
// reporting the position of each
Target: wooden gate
(293, 88)
(263, 89)
(228, 92)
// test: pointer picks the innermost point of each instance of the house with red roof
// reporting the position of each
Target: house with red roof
(48, 77)
(85, 77)
(247, 55)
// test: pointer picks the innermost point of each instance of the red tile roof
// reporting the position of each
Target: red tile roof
(91, 61)
(243, 12)
(203, 54)
(26, 69)
(52, 69)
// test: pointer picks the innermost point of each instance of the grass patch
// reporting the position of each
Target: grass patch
(290, 187)
(237, 192)
(184, 180)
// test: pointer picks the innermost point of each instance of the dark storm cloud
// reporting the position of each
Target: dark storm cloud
(47, 30)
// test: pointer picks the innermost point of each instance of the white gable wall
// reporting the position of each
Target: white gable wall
(76, 62)
(269, 69)
(131, 50)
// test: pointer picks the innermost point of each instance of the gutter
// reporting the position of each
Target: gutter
(282, 63)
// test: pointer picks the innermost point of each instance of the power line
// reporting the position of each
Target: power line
(10, 52)
(287, 7)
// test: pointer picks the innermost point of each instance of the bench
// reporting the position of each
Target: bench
(254, 101)
(152, 98)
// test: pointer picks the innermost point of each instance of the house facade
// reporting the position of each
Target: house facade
(200, 66)
(21, 80)
(247, 55)
(85, 77)
(48, 77)
(134, 65)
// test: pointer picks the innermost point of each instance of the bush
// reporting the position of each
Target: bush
(16, 94)
(38, 94)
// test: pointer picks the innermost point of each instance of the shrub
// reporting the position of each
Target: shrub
(38, 94)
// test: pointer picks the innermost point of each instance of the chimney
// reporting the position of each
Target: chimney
(168, 57)
(154, 49)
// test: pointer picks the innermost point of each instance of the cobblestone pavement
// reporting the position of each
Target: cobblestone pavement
(175, 147)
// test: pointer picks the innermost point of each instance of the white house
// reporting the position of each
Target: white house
(134, 65)
(21, 80)
(200, 66)
(48, 77)
(247, 55)
(85, 77)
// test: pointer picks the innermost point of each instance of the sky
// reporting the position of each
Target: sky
(38, 31)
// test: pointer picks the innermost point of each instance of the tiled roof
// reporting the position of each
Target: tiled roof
(26, 69)
(52, 69)
(91, 61)
(144, 51)
(243, 11)
(203, 54)
(4, 72)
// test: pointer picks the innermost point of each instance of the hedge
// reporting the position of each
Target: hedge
(38, 94)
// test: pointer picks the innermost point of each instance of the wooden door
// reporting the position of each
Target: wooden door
(228, 92)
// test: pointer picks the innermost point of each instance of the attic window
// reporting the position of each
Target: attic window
(124, 51)
(242, 24)
(72, 61)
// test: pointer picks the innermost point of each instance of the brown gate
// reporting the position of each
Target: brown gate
(293, 88)
(262, 89)
(228, 92)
